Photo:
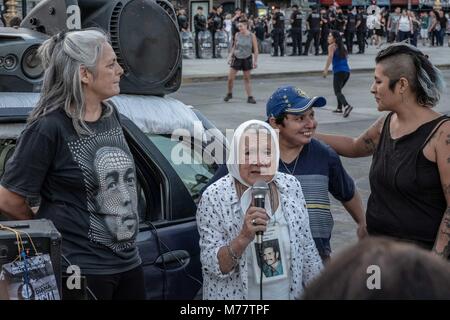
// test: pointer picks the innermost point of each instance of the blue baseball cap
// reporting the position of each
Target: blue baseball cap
(290, 99)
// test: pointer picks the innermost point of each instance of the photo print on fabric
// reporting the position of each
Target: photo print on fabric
(110, 181)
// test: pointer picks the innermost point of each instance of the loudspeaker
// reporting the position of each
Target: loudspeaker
(50, 16)
(20, 67)
(144, 35)
(46, 239)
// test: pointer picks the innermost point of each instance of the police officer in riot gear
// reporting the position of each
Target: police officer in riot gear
(350, 30)
(341, 20)
(215, 23)
(324, 30)
(361, 29)
(278, 32)
(313, 27)
(182, 19)
(296, 31)
(199, 25)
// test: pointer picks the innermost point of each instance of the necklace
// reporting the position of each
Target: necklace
(295, 165)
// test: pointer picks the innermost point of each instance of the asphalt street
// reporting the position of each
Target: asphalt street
(208, 98)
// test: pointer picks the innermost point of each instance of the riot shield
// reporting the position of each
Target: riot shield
(187, 42)
(205, 43)
(221, 41)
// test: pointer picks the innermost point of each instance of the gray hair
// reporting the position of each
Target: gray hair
(62, 56)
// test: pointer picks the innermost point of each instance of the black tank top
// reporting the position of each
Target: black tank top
(406, 200)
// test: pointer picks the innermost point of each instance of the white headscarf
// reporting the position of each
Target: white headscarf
(234, 156)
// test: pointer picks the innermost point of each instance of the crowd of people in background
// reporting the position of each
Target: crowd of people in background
(359, 26)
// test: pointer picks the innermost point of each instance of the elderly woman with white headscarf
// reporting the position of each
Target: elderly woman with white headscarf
(228, 221)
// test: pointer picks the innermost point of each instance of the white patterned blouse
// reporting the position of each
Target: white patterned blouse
(220, 220)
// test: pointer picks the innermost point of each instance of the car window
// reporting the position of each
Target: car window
(196, 172)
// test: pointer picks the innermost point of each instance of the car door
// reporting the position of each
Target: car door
(168, 239)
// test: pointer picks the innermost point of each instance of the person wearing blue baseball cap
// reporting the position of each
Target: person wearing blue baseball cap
(315, 164)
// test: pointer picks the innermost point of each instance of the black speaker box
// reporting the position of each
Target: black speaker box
(145, 38)
(20, 67)
(144, 35)
(46, 239)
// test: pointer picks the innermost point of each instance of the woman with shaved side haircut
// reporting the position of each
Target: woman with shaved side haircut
(410, 172)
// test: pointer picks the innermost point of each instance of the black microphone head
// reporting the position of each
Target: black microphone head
(260, 188)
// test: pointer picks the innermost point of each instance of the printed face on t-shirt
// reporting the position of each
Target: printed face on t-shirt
(117, 196)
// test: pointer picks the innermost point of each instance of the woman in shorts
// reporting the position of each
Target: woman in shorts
(243, 56)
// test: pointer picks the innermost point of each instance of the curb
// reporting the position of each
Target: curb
(204, 78)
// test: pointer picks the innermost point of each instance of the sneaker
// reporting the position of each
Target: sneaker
(347, 110)
(228, 97)
(337, 110)
(251, 100)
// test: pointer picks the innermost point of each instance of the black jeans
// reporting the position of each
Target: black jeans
(339, 81)
(129, 285)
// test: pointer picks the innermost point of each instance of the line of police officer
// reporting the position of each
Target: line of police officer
(318, 26)
(213, 23)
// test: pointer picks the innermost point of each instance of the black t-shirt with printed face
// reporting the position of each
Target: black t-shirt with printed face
(87, 187)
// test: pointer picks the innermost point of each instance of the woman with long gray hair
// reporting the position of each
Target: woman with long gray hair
(74, 157)
(410, 172)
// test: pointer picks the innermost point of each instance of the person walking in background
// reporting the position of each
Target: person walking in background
(227, 23)
(424, 25)
(243, 56)
(435, 28)
(415, 27)
(338, 57)
(392, 25)
(442, 20)
(404, 27)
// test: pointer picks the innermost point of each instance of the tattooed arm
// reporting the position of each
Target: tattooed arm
(363, 146)
(442, 243)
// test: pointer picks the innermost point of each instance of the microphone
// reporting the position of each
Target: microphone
(259, 190)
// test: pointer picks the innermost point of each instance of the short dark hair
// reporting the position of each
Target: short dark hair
(403, 60)
(406, 272)
(199, 8)
(295, 6)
